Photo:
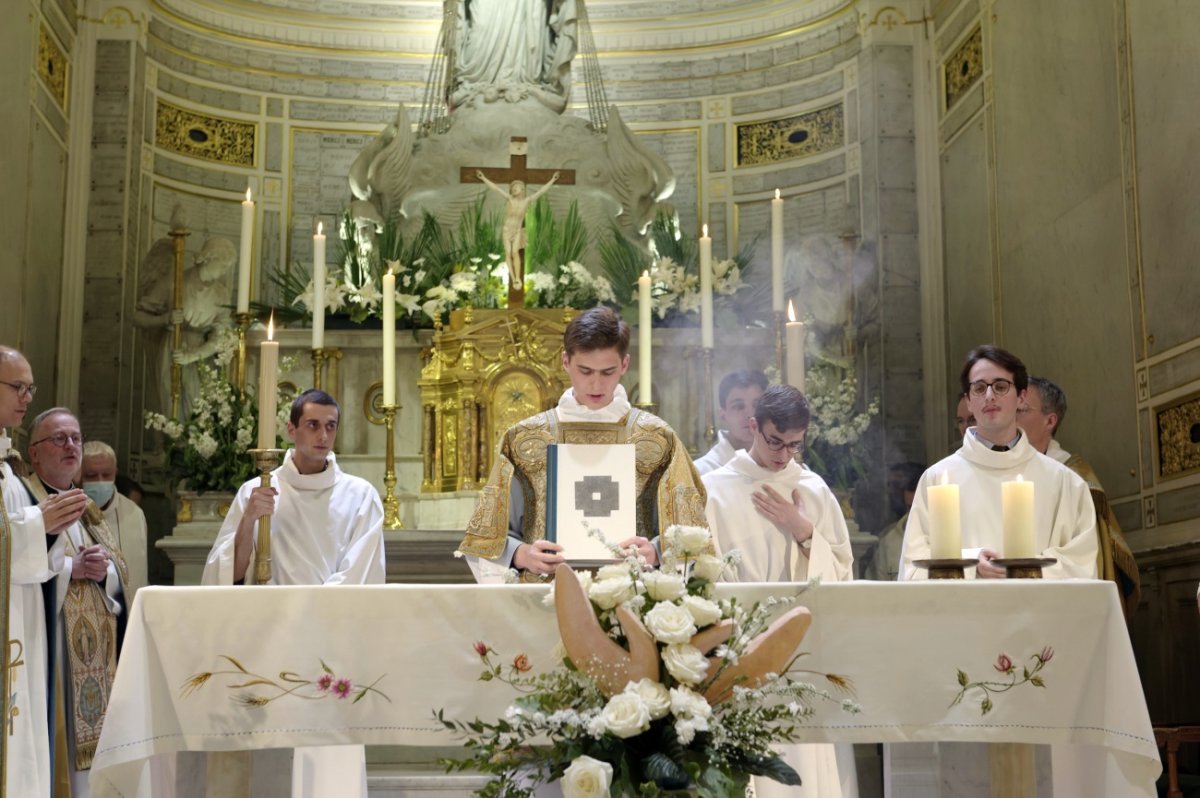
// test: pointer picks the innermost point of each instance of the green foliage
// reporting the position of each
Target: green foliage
(622, 263)
(550, 243)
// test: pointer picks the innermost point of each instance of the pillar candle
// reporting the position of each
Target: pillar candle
(945, 521)
(389, 338)
(268, 381)
(318, 320)
(644, 338)
(777, 253)
(247, 246)
(1016, 502)
(795, 349)
(706, 280)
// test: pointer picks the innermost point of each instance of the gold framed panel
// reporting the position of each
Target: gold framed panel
(1177, 437)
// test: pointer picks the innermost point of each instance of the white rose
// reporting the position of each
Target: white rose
(687, 703)
(708, 567)
(685, 730)
(626, 715)
(689, 539)
(703, 611)
(663, 587)
(655, 696)
(613, 572)
(685, 663)
(586, 778)
(608, 593)
(670, 623)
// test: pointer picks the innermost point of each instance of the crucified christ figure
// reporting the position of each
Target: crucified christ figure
(513, 233)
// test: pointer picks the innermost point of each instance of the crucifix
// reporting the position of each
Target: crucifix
(517, 174)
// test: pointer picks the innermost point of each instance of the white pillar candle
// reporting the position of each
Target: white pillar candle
(777, 253)
(268, 381)
(1016, 502)
(945, 521)
(247, 246)
(389, 338)
(318, 271)
(706, 280)
(644, 338)
(795, 349)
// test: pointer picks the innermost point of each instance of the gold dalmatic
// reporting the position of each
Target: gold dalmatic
(91, 634)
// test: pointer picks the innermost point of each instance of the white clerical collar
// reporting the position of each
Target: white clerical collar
(977, 450)
(1055, 451)
(744, 464)
(995, 447)
(5, 444)
(319, 481)
(569, 409)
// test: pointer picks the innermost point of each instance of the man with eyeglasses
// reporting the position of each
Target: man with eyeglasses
(89, 592)
(995, 451)
(788, 526)
(34, 562)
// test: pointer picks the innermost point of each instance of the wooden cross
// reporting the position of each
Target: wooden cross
(518, 149)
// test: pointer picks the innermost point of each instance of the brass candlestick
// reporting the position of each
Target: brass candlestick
(322, 357)
(242, 321)
(318, 360)
(710, 415)
(649, 407)
(391, 505)
(179, 247)
(266, 461)
(780, 346)
(945, 568)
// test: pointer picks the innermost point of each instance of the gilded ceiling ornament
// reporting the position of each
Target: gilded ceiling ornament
(211, 138)
(1179, 438)
(774, 140)
(964, 68)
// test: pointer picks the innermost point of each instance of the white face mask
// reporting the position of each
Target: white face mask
(100, 492)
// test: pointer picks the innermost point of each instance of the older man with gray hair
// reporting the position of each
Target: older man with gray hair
(125, 519)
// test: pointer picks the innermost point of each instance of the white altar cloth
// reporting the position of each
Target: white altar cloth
(902, 645)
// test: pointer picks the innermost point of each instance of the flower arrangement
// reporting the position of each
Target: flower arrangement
(662, 686)
(836, 449)
(208, 449)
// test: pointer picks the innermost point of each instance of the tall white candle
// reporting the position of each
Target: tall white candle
(389, 338)
(318, 320)
(1016, 503)
(706, 280)
(945, 521)
(247, 246)
(777, 253)
(268, 381)
(644, 338)
(795, 349)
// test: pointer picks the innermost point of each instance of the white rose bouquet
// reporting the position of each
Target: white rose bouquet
(692, 714)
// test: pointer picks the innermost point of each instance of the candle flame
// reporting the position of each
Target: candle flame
(645, 272)
(247, 193)
(320, 228)
(776, 193)
(271, 327)
(791, 311)
(705, 233)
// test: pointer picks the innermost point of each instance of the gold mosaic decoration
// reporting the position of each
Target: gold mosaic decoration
(211, 138)
(964, 68)
(775, 140)
(52, 67)
(1179, 438)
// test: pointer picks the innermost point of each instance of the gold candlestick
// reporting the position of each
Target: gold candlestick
(391, 505)
(326, 359)
(242, 321)
(780, 346)
(179, 247)
(266, 461)
(649, 407)
(710, 414)
(318, 359)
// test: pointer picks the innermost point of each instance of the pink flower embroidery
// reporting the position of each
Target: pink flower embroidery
(324, 682)
(1046, 655)
(481, 648)
(1003, 664)
(342, 687)
(521, 663)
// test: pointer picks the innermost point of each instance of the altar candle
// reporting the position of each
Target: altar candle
(1016, 505)
(777, 253)
(706, 280)
(268, 381)
(318, 321)
(389, 338)
(247, 245)
(644, 338)
(795, 349)
(945, 521)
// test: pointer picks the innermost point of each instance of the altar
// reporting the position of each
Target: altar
(916, 654)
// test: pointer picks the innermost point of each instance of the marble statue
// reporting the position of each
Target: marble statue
(513, 232)
(381, 174)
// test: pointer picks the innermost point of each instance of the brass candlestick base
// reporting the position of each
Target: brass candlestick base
(318, 360)
(780, 353)
(946, 569)
(1024, 567)
(391, 505)
(242, 321)
(266, 461)
(649, 407)
(710, 414)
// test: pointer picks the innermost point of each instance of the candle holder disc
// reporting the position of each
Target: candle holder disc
(1024, 567)
(945, 569)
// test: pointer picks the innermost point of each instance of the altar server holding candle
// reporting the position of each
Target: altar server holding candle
(1050, 515)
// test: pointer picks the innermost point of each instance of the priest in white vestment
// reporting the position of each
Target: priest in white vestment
(995, 451)
(125, 519)
(788, 526)
(326, 529)
(737, 395)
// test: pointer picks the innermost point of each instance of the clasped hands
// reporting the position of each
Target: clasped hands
(90, 563)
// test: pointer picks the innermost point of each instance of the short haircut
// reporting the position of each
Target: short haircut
(1053, 400)
(596, 328)
(741, 378)
(785, 406)
(7, 353)
(911, 473)
(45, 414)
(313, 396)
(1002, 358)
(99, 449)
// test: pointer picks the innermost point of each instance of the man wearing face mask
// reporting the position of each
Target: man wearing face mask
(125, 519)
